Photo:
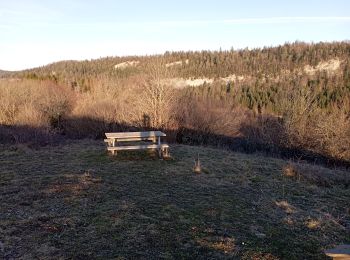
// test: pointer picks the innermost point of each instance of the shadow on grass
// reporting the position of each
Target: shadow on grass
(104, 157)
(87, 127)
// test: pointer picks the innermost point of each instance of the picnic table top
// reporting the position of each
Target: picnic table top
(121, 135)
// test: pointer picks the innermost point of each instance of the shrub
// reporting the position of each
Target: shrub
(34, 104)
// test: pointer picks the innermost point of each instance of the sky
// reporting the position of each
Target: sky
(36, 32)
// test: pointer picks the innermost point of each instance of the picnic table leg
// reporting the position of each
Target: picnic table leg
(114, 152)
(159, 148)
(166, 152)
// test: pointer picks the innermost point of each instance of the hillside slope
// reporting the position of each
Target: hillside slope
(287, 58)
(74, 201)
(257, 77)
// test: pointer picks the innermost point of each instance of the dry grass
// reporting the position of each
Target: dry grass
(313, 223)
(223, 244)
(311, 128)
(286, 207)
(314, 174)
(74, 201)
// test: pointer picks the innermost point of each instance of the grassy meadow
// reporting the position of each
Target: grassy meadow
(75, 201)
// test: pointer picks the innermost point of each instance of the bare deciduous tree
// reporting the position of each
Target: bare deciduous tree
(158, 97)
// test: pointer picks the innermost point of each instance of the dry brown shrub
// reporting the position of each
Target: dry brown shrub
(211, 117)
(224, 244)
(308, 127)
(13, 94)
(31, 111)
(289, 209)
(264, 129)
(332, 133)
(313, 223)
(156, 98)
(107, 103)
(289, 171)
(299, 111)
(33, 103)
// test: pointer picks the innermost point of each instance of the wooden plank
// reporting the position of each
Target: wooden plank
(340, 252)
(135, 134)
(130, 139)
(137, 147)
(121, 135)
(108, 141)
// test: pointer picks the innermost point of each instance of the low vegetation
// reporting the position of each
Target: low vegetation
(74, 201)
(291, 101)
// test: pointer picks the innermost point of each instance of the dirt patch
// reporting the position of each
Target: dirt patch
(329, 66)
(126, 64)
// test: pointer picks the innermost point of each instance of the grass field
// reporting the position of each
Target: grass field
(75, 201)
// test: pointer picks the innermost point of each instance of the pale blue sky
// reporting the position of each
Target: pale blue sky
(37, 32)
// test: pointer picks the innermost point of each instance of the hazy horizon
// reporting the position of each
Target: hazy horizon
(36, 33)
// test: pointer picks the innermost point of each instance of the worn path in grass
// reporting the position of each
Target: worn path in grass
(74, 201)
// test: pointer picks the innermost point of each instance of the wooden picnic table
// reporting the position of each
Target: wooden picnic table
(116, 141)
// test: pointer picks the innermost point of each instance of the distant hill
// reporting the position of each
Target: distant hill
(321, 65)
(268, 68)
(214, 63)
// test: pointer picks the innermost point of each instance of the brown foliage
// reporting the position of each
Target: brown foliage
(126, 103)
(34, 103)
(211, 116)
